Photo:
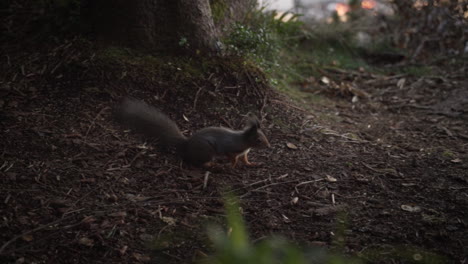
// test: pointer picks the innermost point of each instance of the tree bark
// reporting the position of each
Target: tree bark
(197, 26)
(156, 24)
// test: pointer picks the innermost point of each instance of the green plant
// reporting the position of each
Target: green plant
(232, 246)
(245, 40)
(218, 9)
(183, 42)
(262, 35)
(235, 247)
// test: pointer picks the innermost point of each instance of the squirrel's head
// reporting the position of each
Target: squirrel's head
(255, 136)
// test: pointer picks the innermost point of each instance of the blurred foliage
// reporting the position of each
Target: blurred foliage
(431, 28)
(262, 35)
(233, 246)
(424, 30)
(218, 9)
(290, 51)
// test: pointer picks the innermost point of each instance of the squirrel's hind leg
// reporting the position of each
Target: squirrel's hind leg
(246, 160)
(233, 159)
(208, 164)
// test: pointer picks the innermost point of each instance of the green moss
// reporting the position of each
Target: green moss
(156, 64)
(218, 10)
(183, 70)
(448, 154)
(417, 70)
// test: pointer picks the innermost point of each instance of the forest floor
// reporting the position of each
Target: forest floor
(390, 165)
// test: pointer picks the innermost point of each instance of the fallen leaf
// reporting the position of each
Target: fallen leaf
(142, 198)
(185, 118)
(433, 217)
(28, 238)
(331, 179)
(318, 243)
(327, 210)
(88, 219)
(11, 176)
(121, 214)
(124, 73)
(106, 224)
(146, 237)
(141, 257)
(417, 257)
(112, 198)
(63, 209)
(200, 254)
(291, 146)
(86, 242)
(13, 104)
(58, 203)
(295, 200)
(88, 180)
(325, 80)
(411, 208)
(457, 160)
(123, 250)
(358, 92)
(401, 83)
(142, 146)
(168, 220)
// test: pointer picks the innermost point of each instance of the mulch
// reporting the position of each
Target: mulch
(383, 156)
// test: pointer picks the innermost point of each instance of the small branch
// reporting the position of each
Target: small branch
(205, 181)
(6, 244)
(196, 98)
(265, 186)
(94, 121)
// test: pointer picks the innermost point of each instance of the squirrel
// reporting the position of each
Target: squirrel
(203, 146)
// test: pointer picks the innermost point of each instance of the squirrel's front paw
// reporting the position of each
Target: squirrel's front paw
(254, 164)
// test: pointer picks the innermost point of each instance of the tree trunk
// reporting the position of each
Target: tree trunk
(197, 26)
(156, 24)
(142, 24)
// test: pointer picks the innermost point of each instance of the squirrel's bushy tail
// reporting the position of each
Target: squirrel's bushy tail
(151, 122)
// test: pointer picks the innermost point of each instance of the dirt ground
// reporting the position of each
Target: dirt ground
(391, 167)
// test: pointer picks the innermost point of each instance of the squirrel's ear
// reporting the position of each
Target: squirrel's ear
(252, 128)
(253, 120)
